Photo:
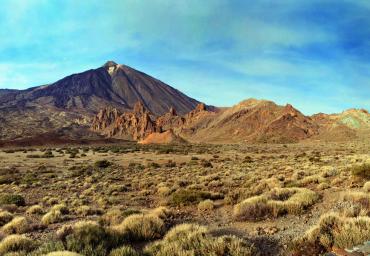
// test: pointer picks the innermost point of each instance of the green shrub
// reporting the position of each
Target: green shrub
(48, 247)
(186, 196)
(89, 238)
(48, 154)
(102, 164)
(18, 200)
(361, 171)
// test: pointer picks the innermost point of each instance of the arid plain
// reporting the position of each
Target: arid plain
(192, 199)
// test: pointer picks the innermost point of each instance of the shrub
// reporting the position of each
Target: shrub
(186, 196)
(102, 164)
(14, 243)
(48, 154)
(191, 239)
(352, 232)
(141, 227)
(297, 200)
(361, 171)
(362, 198)
(367, 186)
(18, 225)
(323, 186)
(51, 217)
(35, 209)
(89, 238)
(163, 191)
(333, 230)
(18, 200)
(206, 205)
(277, 202)
(124, 251)
(50, 200)
(112, 217)
(85, 210)
(48, 247)
(60, 207)
(253, 208)
(5, 217)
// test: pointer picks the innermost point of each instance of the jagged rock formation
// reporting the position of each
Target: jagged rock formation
(105, 118)
(133, 125)
(139, 123)
(170, 120)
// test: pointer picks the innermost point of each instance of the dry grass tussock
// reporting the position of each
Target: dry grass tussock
(144, 226)
(334, 230)
(191, 239)
(278, 202)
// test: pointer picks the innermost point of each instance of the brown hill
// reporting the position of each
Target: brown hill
(252, 121)
(348, 125)
(167, 137)
(249, 121)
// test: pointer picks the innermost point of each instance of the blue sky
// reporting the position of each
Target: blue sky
(313, 54)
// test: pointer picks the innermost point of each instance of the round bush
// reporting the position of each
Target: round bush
(18, 200)
(14, 243)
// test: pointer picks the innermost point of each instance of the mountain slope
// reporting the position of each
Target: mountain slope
(348, 125)
(249, 121)
(76, 98)
(111, 85)
(256, 121)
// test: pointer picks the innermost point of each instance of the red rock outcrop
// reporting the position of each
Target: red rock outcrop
(167, 137)
(138, 123)
(129, 125)
(169, 120)
(105, 118)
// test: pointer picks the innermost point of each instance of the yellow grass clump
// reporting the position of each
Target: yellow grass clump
(333, 230)
(5, 217)
(18, 225)
(206, 205)
(14, 243)
(191, 239)
(275, 203)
